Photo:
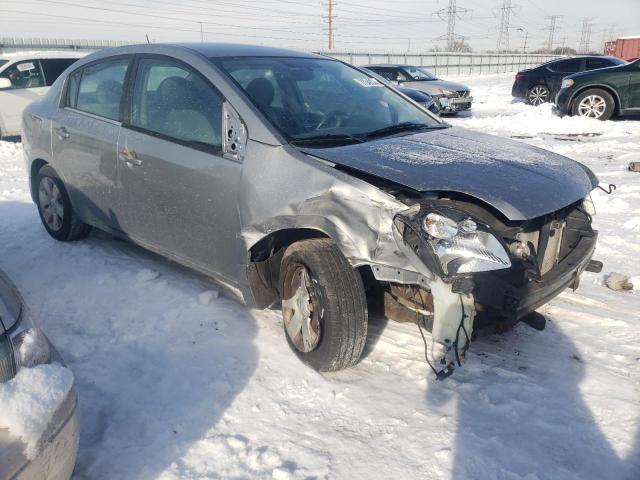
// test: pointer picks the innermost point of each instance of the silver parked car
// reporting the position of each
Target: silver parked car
(23, 345)
(295, 178)
(452, 97)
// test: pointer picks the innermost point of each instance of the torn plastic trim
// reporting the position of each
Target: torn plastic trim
(235, 134)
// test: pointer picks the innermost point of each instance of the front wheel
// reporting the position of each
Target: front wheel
(55, 210)
(324, 306)
(594, 103)
(537, 95)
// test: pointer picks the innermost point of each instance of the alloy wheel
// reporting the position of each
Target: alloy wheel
(300, 311)
(592, 106)
(538, 96)
(50, 201)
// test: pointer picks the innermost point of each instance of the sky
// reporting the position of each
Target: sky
(359, 25)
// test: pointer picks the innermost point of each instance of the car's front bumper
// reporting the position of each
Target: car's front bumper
(454, 104)
(562, 102)
(58, 448)
(499, 302)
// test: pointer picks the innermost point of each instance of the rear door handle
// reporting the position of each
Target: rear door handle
(130, 158)
(62, 132)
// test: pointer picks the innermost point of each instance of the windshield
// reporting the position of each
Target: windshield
(311, 98)
(419, 73)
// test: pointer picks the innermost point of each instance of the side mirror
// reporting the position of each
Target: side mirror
(5, 83)
(234, 134)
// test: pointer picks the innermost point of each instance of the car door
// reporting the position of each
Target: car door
(179, 192)
(560, 70)
(634, 88)
(85, 138)
(27, 84)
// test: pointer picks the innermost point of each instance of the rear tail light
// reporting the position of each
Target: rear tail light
(519, 76)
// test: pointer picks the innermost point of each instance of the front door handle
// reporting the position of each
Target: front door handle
(62, 132)
(130, 158)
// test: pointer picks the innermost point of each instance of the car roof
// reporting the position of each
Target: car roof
(244, 50)
(41, 54)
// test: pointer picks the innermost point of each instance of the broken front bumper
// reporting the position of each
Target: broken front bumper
(454, 104)
(500, 303)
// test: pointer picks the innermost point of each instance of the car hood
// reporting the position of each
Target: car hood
(433, 86)
(519, 180)
(414, 94)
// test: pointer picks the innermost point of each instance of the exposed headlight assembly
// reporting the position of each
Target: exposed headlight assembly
(567, 83)
(462, 245)
(588, 205)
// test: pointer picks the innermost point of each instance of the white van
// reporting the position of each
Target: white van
(25, 77)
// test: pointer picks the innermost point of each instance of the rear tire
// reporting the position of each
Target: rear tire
(537, 95)
(54, 207)
(594, 103)
(323, 295)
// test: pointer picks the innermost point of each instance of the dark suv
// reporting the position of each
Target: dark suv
(541, 84)
(602, 93)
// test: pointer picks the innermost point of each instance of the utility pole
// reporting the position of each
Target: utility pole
(503, 32)
(552, 30)
(526, 36)
(450, 14)
(201, 33)
(330, 18)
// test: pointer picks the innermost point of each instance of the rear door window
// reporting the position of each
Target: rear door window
(25, 74)
(593, 63)
(53, 67)
(568, 66)
(100, 88)
(173, 101)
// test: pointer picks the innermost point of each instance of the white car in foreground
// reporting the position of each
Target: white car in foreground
(25, 77)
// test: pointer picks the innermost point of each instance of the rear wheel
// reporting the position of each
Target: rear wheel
(594, 103)
(55, 210)
(537, 95)
(324, 307)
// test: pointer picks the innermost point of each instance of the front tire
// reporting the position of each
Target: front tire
(54, 207)
(537, 95)
(324, 306)
(594, 103)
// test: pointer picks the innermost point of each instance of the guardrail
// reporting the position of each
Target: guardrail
(444, 63)
(13, 44)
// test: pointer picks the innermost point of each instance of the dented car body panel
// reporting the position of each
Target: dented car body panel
(262, 191)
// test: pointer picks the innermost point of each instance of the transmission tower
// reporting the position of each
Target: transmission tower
(503, 32)
(585, 35)
(450, 14)
(553, 28)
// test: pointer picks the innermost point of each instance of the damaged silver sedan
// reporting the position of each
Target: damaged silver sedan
(295, 178)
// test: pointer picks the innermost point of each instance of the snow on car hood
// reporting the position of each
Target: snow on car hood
(30, 400)
(519, 180)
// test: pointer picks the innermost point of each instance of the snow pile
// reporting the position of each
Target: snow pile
(175, 382)
(29, 401)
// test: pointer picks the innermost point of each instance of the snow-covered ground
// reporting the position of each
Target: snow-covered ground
(176, 382)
